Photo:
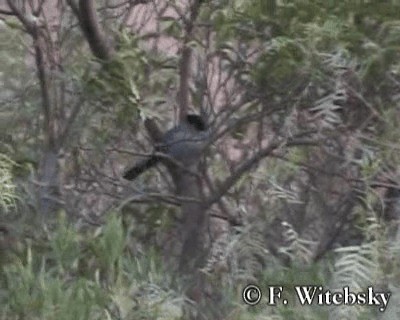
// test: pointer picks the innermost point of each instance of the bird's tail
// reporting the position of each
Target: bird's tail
(140, 167)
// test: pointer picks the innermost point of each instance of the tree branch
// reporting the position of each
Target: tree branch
(39, 8)
(7, 13)
(71, 119)
(184, 65)
(252, 162)
(44, 88)
(33, 29)
(28, 24)
(91, 28)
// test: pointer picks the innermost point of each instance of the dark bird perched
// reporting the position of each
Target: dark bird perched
(183, 144)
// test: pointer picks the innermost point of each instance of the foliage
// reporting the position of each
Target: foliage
(321, 208)
(70, 278)
(84, 275)
(7, 186)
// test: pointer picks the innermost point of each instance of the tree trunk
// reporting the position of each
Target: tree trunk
(193, 212)
(49, 183)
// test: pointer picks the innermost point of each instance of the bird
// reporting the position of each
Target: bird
(183, 145)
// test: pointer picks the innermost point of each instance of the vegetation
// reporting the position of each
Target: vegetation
(300, 184)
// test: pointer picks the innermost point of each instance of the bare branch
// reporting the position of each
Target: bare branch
(33, 29)
(184, 66)
(91, 27)
(74, 113)
(39, 9)
(44, 88)
(7, 13)
(250, 163)
(28, 24)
